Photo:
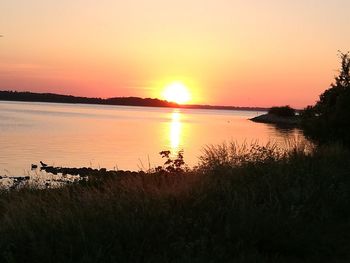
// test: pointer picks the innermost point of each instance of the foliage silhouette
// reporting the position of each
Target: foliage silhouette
(172, 165)
(284, 111)
(329, 119)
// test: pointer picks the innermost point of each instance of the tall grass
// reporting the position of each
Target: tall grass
(241, 204)
(230, 155)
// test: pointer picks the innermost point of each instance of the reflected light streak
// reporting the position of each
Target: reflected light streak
(175, 130)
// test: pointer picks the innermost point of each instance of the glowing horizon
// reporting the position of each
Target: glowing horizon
(239, 53)
(177, 92)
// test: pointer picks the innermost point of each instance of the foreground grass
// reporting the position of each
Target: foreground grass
(250, 205)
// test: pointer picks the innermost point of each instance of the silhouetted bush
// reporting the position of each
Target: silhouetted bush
(172, 165)
(284, 111)
(329, 119)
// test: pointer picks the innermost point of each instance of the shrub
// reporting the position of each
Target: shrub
(172, 165)
(284, 111)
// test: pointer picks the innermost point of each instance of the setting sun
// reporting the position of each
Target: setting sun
(176, 92)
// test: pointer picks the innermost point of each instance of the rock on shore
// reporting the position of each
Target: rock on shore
(279, 120)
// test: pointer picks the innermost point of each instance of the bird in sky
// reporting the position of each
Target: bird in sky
(43, 164)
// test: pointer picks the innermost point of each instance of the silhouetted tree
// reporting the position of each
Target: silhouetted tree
(329, 119)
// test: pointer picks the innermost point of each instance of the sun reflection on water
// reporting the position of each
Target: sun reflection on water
(175, 130)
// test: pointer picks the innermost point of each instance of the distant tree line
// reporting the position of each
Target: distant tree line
(329, 119)
(50, 97)
(127, 101)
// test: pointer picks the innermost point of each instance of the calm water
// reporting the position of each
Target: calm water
(116, 136)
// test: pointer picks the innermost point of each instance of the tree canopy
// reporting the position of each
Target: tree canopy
(329, 118)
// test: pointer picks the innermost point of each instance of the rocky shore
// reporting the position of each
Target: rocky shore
(278, 120)
(86, 171)
(60, 176)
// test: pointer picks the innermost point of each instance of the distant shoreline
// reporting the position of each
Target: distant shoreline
(117, 101)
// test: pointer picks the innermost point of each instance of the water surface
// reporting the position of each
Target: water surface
(117, 137)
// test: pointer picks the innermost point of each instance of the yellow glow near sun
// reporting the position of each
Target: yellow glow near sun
(175, 130)
(176, 92)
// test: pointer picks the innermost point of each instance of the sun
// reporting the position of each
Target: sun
(176, 92)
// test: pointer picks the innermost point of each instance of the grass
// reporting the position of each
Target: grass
(241, 204)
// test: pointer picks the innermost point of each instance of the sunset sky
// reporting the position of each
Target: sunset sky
(227, 52)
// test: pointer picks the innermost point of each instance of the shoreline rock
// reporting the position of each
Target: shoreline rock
(278, 120)
(85, 172)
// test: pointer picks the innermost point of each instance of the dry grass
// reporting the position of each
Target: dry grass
(242, 204)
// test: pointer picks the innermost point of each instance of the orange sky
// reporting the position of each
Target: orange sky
(228, 52)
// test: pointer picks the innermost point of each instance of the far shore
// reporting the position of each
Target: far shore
(118, 101)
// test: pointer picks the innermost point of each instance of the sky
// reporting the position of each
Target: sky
(227, 52)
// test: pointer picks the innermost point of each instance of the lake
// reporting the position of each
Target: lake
(118, 137)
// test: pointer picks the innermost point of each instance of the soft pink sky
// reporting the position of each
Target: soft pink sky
(228, 52)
